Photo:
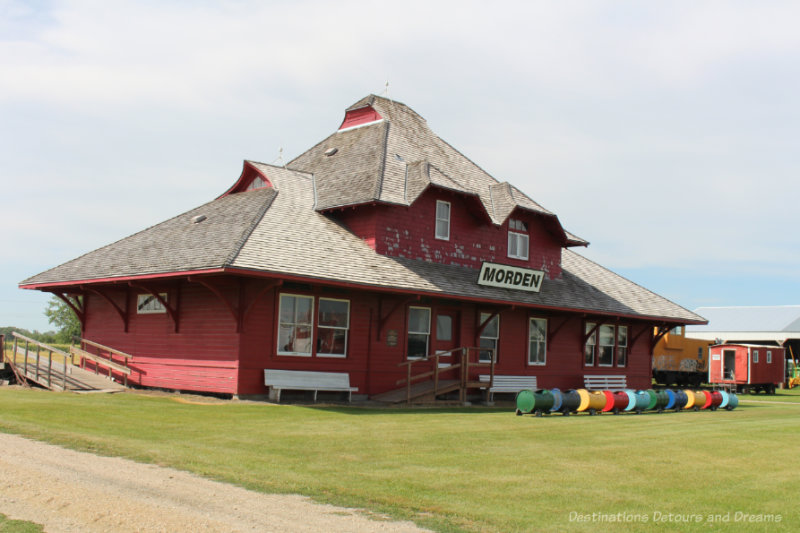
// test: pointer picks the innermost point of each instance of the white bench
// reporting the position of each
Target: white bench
(278, 380)
(508, 384)
(615, 382)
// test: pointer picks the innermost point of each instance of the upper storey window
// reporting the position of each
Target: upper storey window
(257, 183)
(517, 239)
(442, 220)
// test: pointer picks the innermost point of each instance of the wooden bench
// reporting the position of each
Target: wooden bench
(508, 384)
(615, 382)
(278, 380)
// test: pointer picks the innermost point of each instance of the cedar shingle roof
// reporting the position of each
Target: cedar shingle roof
(282, 230)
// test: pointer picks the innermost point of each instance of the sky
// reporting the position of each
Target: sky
(666, 133)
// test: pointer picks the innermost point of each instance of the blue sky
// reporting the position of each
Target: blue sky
(665, 133)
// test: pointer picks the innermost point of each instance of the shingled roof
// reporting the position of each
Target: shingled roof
(281, 231)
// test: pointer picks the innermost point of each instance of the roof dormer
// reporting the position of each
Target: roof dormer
(250, 179)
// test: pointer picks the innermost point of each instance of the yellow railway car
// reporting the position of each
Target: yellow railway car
(681, 361)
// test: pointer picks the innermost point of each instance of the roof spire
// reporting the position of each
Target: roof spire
(386, 90)
(279, 159)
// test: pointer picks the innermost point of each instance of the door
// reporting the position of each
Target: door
(728, 364)
(446, 334)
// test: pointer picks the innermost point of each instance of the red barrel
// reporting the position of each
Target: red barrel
(708, 400)
(609, 401)
(716, 400)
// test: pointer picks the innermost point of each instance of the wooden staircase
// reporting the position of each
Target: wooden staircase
(427, 386)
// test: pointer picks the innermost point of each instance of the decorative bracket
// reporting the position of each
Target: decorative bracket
(123, 314)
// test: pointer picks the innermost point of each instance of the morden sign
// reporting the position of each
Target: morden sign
(510, 277)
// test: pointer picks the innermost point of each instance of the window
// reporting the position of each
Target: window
(419, 332)
(149, 304)
(755, 356)
(257, 183)
(591, 343)
(489, 337)
(444, 328)
(699, 352)
(295, 327)
(605, 348)
(517, 241)
(677, 330)
(333, 323)
(442, 220)
(537, 347)
(622, 345)
(769, 357)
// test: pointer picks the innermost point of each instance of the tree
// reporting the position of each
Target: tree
(60, 315)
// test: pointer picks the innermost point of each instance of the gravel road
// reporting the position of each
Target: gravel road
(69, 491)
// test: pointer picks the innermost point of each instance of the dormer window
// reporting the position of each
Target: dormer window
(442, 220)
(257, 183)
(517, 239)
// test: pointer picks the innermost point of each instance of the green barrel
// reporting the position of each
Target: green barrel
(653, 399)
(525, 402)
(543, 401)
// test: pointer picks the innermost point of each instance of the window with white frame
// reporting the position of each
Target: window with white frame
(257, 183)
(517, 239)
(755, 356)
(605, 345)
(489, 337)
(769, 357)
(149, 304)
(333, 323)
(537, 345)
(622, 345)
(295, 327)
(442, 220)
(419, 332)
(591, 343)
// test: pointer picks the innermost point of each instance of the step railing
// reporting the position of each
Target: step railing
(101, 356)
(37, 374)
(463, 369)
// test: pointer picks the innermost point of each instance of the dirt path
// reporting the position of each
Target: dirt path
(70, 491)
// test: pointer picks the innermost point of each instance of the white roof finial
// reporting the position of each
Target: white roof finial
(279, 159)
(386, 90)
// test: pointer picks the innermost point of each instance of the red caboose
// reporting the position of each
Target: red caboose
(749, 367)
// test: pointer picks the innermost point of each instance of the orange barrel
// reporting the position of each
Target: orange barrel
(699, 400)
(584, 405)
(716, 400)
(597, 402)
(609, 401)
(707, 403)
(689, 399)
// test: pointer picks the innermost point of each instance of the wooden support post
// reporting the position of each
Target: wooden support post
(38, 353)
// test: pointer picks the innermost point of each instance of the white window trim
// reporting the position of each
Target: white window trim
(530, 331)
(769, 357)
(346, 329)
(144, 296)
(518, 237)
(755, 356)
(495, 339)
(278, 336)
(428, 334)
(437, 219)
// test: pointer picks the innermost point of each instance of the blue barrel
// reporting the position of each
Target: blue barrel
(631, 400)
(725, 398)
(681, 399)
(556, 400)
(642, 400)
(671, 399)
(570, 401)
(733, 402)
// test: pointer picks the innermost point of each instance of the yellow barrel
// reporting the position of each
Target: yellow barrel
(597, 402)
(700, 399)
(584, 394)
(689, 399)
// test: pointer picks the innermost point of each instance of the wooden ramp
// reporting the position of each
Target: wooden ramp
(420, 392)
(56, 372)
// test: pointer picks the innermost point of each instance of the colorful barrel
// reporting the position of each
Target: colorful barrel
(597, 402)
(662, 400)
(621, 401)
(543, 401)
(716, 400)
(525, 402)
(725, 398)
(631, 400)
(671, 398)
(584, 405)
(653, 399)
(733, 402)
(642, 400)
(609, 401)
(556, 400)
(707, 402)
(680, 399)
(570, 401)
(689, 399)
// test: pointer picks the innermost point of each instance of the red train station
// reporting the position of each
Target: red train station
(380, 253)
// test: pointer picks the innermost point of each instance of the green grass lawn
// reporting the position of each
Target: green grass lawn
(18, 526)
(466, 469)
